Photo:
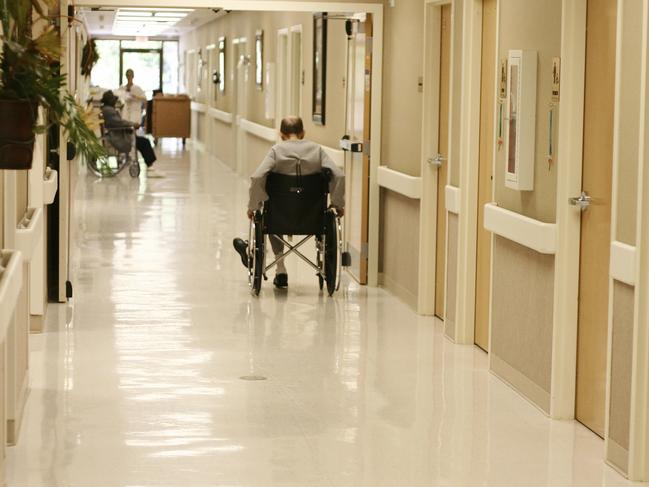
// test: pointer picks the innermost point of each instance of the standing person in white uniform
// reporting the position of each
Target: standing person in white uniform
(134, 97)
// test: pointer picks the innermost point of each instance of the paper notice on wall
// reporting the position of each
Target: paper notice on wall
(269, 95)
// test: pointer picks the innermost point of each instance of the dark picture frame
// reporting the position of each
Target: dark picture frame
(319, 67)
(259, 60)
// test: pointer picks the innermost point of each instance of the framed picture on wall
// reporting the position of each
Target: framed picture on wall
(259, 60)
(319, 67)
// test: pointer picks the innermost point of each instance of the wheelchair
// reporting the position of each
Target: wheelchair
(118, 159)
(297, 206)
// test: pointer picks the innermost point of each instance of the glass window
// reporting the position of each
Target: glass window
(105, 74)
(170, 67)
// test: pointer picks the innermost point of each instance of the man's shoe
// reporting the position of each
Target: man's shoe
(241, 246)
(281, 281)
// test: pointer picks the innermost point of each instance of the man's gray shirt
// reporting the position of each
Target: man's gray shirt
(284, 157)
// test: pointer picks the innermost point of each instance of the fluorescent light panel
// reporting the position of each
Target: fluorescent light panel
(159, 9)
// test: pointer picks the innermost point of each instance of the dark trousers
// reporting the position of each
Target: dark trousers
(144, 147)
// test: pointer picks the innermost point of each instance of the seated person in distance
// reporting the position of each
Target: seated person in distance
(121, 140)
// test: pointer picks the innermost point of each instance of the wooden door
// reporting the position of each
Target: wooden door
(596, 219)
(357, 164)
(483, 249)
(442, 150)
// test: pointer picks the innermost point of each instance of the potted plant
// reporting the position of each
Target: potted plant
(30, 77)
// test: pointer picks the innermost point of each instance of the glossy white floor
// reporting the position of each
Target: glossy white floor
(137, 382)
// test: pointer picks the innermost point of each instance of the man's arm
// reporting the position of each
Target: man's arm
(258, 182)
(337, 183)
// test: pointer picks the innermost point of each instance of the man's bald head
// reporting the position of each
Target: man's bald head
(292, 126)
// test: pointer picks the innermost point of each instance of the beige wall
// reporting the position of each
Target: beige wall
(522, 312)
(246, 24)
(399, 249)
(629, 116)
(532, 25)
(622, 351)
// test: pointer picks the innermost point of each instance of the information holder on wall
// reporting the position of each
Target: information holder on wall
(520, 127)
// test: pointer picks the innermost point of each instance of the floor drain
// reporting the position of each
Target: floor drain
(252, 377)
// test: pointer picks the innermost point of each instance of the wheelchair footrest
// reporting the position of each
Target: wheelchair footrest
(346, 260)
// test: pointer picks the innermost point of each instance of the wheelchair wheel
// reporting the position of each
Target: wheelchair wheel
(256, 244)
(134, 169)
(331, 252)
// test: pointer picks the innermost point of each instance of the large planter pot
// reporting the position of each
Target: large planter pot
(17, 122)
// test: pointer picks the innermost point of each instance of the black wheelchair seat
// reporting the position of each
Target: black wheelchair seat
(296, 205)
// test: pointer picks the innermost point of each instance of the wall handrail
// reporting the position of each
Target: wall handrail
(452, 199)
(198, 107)
(29, 231)
(11, 282)
(50, 185)
(526, 231)
(258, 130)
(404, 184)
(220, 115)
(623, 262)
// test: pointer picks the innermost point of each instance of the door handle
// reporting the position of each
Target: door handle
(436, 160)
(582, 201)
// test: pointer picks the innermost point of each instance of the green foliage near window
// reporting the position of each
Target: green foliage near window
(29, 70)
(89, 57)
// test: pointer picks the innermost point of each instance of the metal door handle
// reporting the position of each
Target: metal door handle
(436, 160)
(582, 201)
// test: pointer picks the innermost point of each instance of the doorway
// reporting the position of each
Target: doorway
(289, 72)
(357, 129)
(147, 66)
(485, 172)
(592, 333)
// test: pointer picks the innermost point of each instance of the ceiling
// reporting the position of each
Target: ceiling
(145, 21)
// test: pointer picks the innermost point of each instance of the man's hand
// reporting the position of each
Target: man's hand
(340, 212)
(136, 125)
(250, 214)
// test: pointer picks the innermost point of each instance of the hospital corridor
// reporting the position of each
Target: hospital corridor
(300, 243)
(163, 370)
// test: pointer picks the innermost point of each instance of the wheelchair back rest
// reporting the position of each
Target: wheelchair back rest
(296, 204)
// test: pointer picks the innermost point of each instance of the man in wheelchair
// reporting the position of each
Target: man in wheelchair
(120, 132)
(288, 196)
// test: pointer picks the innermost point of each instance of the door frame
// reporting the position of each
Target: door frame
(284, 69)
(429, 143)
